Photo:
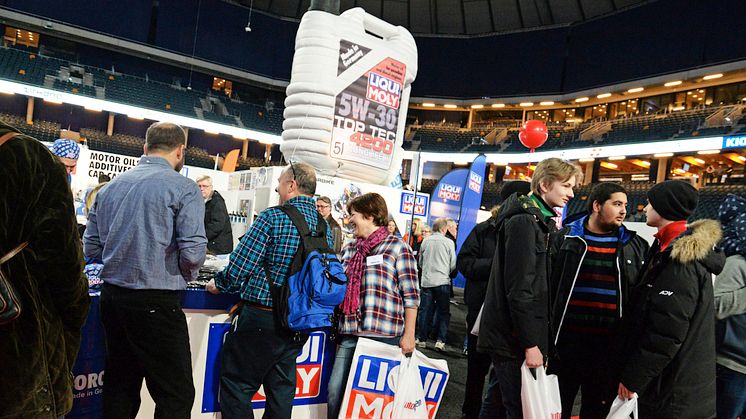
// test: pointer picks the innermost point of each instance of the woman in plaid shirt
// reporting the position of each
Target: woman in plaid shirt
(382, 291)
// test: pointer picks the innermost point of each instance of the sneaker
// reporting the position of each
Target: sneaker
(420, 344)
(440, 346)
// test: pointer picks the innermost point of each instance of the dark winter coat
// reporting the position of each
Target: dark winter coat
(671, 358)
(568, 251)
(474, 261)
(516, 305)
(38, 349)
(218, 226)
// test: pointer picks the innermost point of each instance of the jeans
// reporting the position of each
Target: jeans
(341, 369)
(731, 393)
(146, 338)
(508, 378)
(477, 367)
(431, 298)
(256, 354)
(492, 405)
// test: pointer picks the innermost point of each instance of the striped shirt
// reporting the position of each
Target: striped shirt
(386, 289)
(272, 238)
(593, 303)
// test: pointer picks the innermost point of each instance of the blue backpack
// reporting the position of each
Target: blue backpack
(316, 281)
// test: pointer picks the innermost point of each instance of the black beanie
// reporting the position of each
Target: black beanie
(673, 200)
(511, 187)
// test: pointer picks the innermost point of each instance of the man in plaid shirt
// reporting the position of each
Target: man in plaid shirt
(255, 352)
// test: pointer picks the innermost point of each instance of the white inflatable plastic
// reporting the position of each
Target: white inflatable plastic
(346, 104)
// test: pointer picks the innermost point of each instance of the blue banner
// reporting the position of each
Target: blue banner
(734, 141)
(447, 195)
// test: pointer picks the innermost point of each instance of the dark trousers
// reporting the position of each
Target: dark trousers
(256, 354)
(477, 367)
(146, 338)
(731, 393)
(432, 299)
(508, 377)
(586, 365)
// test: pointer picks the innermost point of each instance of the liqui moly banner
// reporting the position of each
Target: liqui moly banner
(447, 195)
(314, 364)
(470, 204)
(372, 382)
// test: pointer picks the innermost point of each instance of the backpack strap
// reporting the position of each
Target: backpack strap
(310, 239)
(7, 137)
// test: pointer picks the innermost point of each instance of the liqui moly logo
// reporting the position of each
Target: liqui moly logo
(475, 182)
(411, 203)
(383, 90)
(451, 192)
(372, 389)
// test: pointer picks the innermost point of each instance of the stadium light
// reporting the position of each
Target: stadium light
(659, 155)
(705, 152)
(636, 90)
(582, 99)
(603, 95)
(608, 165)
(498, 105)
(524, 104)
(673, 83)
(450, 106)
(712, 76)
(428, 105)
(477, 106)
(618, 158)
(586, 160)
(547, 103)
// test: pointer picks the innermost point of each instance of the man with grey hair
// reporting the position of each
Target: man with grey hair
(437, 258)
(147, 227)
(256, 350)
(217, 224)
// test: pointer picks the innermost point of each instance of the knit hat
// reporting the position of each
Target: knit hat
(509, 188)
(68, 149)
(673, 200)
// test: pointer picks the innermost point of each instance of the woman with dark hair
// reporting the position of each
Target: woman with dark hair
(382, 293)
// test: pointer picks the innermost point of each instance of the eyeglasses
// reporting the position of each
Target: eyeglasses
(292, 168)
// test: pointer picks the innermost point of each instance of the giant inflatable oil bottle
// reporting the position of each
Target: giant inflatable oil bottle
(347, 100)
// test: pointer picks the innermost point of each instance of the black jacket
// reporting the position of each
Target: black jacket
(516, 305)
(218, 226)
(671, 359)
(568, 249)
(474, 262)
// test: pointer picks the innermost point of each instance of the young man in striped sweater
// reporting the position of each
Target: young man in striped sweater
(595, 260)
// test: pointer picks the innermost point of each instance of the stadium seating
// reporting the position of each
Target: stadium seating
(41, 130)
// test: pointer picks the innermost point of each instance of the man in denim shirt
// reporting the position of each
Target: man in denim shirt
(147, 227)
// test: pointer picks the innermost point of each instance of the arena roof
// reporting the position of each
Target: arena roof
(464, 17)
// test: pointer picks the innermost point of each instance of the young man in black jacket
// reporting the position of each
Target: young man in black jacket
(670, 361)
(474, 262)
(595, 260)
(515, 319)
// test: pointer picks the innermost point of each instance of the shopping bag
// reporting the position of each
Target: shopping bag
(373, 378)
(475, 329)
(409, 396)
(623, 409)
(540, 396)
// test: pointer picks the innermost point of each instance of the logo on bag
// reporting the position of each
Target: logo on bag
(372, 392)
(666, 293)
(413, 405)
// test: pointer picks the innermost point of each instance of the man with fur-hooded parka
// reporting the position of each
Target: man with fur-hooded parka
(670, 363)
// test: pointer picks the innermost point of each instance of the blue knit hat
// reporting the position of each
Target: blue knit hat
(67, 149)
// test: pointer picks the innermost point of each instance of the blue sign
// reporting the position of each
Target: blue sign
(472, 201)
(735, 141)
(313, 369)
(446, 200)
(88, 372)
(409, 203)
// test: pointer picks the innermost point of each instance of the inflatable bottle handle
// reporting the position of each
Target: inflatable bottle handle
(373, 24)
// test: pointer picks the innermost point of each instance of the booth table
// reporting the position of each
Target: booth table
(207, 321)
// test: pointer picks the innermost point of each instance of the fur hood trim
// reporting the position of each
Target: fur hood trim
(698, 242)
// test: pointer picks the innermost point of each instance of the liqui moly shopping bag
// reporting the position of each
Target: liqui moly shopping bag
(373, 382)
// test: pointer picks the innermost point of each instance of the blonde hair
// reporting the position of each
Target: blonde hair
(91, 198)
(204, 178)
(553, 169)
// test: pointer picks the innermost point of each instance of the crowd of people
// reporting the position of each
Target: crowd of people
(608, 314)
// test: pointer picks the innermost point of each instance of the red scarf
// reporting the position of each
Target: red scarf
(355, 269)
(666, 235)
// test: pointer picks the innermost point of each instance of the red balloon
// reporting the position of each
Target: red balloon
(533, 134)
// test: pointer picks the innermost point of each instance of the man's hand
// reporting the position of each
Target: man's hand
(211, 288)
(625, 393)
(406, 343)
(534, 358)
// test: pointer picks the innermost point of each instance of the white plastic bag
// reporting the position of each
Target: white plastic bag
(409, 399)
(623, 409)
(540, 396)
(475, 329)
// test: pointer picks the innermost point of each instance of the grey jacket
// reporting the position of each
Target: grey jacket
(437, 258)
(730, 309)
